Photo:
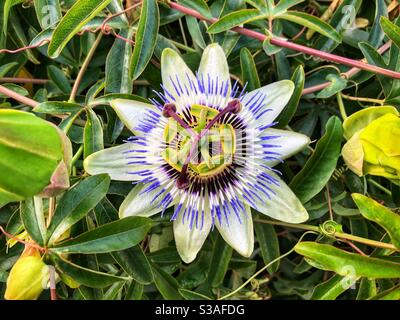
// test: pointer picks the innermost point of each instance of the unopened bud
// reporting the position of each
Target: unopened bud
(27, 277)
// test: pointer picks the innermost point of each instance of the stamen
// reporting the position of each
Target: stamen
(169, 111)
(233, 106)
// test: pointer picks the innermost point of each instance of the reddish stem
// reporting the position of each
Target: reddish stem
(294, 46)
(352, 72)
(27, 244)
(23, 80)
(18, 97)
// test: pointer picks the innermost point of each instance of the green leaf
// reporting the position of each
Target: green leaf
(284, 5)
(92, 134)
(386, 218)
(269, 48)
(166, 284)
(16, 88)
(327, 257)
(134, 262)
(17, 35)
(114, 236)
(375, 58)
(249, 70)
(134, 291)
(146, 37)
(195, 32)
(4, 69)
(391, 30)
(57, 107)
(341, 20)
(376, 34)
(199, 5)
(322, 163)
(332, 288)
(106, 99)
(389, 294)
(269, 244)
(311, 22)
(8, 4)
(234, 19)
(367, 289)
(117, 64)
(222, 253)
(192, 295)
(76, 17)
(85, 276)
(289, 111)
(59, 79)
(337, 84)
(76, 203)
(115, 7)
(30, 151)
(48, 12)
(33, 219)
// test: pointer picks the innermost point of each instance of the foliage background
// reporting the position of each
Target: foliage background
(324, 184)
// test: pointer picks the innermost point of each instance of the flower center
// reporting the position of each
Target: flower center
(199, 143)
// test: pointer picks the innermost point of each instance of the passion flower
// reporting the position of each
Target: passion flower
(207, 149)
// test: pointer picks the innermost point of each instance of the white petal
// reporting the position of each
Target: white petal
(139, 203)
(274, 96)
(114, 162)
(174, 69)
(213, 63)
(132, 112)
(190, 240)
(289, 144)
(238, 234)
(283, 205)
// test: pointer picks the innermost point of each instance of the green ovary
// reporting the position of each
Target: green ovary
(214, 151)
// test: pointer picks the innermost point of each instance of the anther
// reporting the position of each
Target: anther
(182, 182)
(168, 110)
(233, 106)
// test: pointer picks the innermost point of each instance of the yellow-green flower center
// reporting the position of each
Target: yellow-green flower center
(206, 152)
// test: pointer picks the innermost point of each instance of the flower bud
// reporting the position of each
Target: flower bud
(28, 277)
(372, 146)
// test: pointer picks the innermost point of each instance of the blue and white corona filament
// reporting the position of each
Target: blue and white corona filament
(207, 149)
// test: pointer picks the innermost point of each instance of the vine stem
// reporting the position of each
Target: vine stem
(342, 108)
(294, 46)
(23, 80)
(264, 268)
(84, 67)
(340, 235)
(363, 99)
(18, 97)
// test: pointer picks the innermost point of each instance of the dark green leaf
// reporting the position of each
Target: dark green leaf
(146, 37)
(234, 19)
(114, 236)
(93, 134)
(76, 17)
(249, 70)
(222, 253)
(85, 276)
(320, 166)
(134, 262)
(76, 203)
